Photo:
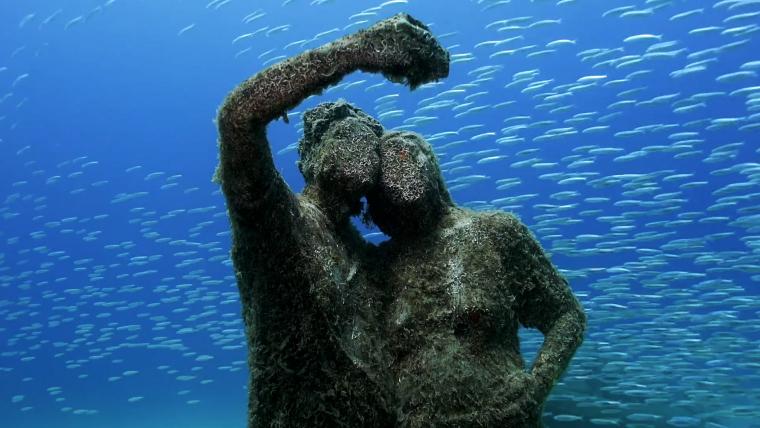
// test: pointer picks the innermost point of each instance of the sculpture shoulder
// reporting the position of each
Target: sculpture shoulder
(506, 237)
(494, 237)
(315, 227)
(499, 227)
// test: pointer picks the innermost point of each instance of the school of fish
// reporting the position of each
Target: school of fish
(625, 134)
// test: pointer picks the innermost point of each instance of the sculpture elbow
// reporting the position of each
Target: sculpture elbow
(569, 324)
(230, 118)
(239, 115)
(578, 321)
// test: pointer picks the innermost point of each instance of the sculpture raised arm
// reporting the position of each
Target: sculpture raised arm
(401, 48)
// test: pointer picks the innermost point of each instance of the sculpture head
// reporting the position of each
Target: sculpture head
(339, 152)
(410, 196)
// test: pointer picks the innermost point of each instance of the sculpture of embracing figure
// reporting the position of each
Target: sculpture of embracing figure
(419, 331)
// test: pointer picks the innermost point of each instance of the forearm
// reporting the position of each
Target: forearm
(401, 48)
(272, 92)
(247, 172)
(560, 342)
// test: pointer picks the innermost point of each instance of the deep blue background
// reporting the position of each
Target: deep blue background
(672, 335)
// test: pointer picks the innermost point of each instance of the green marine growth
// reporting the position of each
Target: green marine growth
(419, 331)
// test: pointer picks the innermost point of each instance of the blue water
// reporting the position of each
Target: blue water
(117, 299)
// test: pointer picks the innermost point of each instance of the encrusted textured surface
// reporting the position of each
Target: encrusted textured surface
(456, 297)
(419, 331)
(328, 161)
(410, 195)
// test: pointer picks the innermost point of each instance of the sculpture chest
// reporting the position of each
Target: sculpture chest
(442, 294)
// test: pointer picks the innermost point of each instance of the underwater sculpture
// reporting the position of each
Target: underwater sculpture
(420, 331)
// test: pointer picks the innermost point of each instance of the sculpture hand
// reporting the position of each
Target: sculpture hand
(526, 398)
(404, 51)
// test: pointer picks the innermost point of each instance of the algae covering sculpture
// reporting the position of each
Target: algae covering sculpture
(419, 331)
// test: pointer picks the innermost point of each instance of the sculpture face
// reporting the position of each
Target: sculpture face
(339, 151)
(347, 159)
(410, 193)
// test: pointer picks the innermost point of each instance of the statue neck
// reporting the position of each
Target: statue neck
(411, 221)
(336, 207)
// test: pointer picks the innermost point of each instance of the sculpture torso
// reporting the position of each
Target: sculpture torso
(451, 324)
(422, 332)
